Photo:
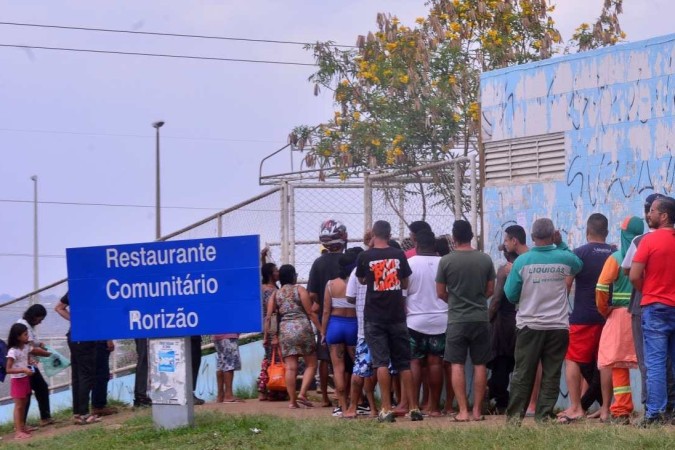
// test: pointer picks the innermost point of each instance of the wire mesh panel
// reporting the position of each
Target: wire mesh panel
(313, 204)
(427, 193)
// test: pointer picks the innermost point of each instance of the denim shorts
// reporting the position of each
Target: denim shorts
(388, 341)
(363, 364)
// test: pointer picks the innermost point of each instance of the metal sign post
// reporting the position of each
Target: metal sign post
(170, 362)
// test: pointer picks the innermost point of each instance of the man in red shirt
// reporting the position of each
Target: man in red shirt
(651, 273)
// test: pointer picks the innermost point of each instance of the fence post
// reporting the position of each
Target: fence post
(291, 223)
(284, 222)
(401, 210)
(367, 202)
(220, 225)
(458, 192)
(474, 202)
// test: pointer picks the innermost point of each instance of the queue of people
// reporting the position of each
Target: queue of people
(409, 322)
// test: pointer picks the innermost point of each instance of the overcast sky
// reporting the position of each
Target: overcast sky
(81, 122)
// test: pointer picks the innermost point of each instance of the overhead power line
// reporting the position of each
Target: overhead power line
(120, 205)
(144, 136)
(158, 55)
(155, 33)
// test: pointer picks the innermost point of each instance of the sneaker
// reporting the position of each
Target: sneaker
(649, 422)
(197, 400)
(337, 412)
(386, 417)
(415, 415)
(363, 410)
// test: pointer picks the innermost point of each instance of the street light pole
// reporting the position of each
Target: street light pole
(36, 280)
(158, 216)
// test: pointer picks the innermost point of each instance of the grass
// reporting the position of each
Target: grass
(61, 416)
(247, 392)
(214, 431)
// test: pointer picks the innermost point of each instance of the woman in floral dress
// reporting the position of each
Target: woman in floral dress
(296, 337)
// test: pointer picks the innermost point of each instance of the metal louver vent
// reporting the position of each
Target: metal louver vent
(525, 159)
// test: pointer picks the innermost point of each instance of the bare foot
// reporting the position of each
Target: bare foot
(293, 406)
(594, 415)
(434, 414)
(349, 414)
(22, 435)
(220, 398)
(462, 417)
(400, 411)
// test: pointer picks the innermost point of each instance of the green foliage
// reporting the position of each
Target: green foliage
(408, 95)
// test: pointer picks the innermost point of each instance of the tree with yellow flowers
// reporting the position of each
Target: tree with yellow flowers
(408, 95)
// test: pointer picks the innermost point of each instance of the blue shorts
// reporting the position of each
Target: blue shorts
(363, 364)
(342, 330)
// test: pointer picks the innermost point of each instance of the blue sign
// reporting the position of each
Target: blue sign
(165, 289)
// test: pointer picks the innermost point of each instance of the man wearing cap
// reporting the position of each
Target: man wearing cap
(650, 273)
(537, 282)
(636, 311)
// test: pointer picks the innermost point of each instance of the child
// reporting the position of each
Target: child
(17, 367)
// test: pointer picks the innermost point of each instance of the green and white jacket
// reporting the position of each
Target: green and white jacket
(537, 284)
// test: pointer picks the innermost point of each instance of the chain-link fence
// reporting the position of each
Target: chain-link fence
(437, 193)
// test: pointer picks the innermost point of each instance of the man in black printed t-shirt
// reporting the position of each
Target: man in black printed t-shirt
(385, 271)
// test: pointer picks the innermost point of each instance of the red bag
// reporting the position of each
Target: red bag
(276, 372)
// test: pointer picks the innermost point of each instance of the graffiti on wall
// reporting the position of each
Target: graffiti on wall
(615, 107)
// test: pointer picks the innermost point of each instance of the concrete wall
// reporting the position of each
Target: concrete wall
(615, 107)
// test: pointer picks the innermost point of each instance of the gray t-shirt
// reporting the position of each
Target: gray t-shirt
(466, 275)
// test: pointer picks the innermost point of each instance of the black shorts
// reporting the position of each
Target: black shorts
(422, 345)
(387, 341)
(322, 352)
(473, 337)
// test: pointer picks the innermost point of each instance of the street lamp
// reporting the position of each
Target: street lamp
(158, 217)
(36, 280)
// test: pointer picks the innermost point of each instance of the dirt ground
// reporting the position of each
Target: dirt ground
(255, 407)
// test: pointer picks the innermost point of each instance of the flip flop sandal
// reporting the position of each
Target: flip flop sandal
(566, 420)
(305, 402)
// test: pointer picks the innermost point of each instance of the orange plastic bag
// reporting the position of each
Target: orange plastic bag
(276, 372)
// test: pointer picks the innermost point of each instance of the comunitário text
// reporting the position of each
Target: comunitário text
(177, 286)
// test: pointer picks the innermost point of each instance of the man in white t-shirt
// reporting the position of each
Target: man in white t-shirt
(427, 319)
